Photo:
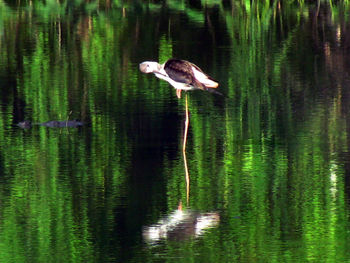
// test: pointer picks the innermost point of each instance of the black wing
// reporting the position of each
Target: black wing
(179, 70)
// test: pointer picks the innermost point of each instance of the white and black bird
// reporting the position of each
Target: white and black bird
(181, 74)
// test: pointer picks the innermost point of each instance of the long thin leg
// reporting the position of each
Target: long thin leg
(187, 121)
(186, 127)
(187, 179)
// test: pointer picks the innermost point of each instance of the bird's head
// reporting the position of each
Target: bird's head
(149, 67)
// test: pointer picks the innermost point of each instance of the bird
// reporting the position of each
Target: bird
(181, 74)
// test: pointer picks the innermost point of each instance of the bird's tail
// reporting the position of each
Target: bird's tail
(210, 83)
(213, 91)
(211, 86)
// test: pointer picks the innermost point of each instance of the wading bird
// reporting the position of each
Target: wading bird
(181, 74)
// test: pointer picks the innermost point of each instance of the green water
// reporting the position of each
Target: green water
(269, 160)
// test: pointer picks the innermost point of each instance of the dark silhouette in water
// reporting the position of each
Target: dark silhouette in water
(51, 124)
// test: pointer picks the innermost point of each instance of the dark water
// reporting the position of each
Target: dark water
(268, 162)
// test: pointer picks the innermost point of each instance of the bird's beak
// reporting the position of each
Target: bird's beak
(143, 67)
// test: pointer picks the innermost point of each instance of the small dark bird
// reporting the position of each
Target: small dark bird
(181, 74)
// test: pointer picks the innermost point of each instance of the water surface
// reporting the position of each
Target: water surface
(268, 162)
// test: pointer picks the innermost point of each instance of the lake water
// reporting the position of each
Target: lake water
(268, 163)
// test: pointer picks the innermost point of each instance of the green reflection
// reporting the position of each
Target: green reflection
(271, 156)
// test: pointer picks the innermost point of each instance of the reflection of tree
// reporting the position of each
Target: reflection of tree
(274, 152)
(331, 38)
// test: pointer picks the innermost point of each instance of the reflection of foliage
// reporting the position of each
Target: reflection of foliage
(53, 7)
(260, 154)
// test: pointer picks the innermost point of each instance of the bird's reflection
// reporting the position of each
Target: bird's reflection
(180, 225)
